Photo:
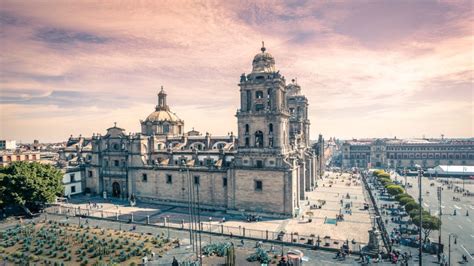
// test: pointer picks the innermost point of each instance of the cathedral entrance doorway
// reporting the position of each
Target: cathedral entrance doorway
(116, 190)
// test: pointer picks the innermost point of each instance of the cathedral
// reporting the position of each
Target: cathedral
(266, 168)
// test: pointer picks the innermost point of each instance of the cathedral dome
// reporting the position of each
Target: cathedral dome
(162, 115)
(162, 111)
(263, 62)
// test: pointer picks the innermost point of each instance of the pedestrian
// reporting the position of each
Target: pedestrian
(175, 262)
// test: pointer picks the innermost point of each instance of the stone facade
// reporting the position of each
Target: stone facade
(396, 153)
(267, 169)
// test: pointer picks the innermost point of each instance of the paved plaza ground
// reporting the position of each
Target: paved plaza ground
(184, 252)
(333, 191)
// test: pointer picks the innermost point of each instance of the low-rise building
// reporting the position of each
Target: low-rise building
(407, 153)
(7, 144)
(8, 157)
(72, 181)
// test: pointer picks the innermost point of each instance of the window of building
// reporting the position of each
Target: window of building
(197, 180)
(224, 182)
(259, 107)
(72, 178)
(169, 179)
(269, 97)
(247, 142)
(259, 94)
(258, 185)
(9, 158)
(18, 158)
(247, 128)
(144, 177)
(249, 100)
(259, 139)
(27, 157)
(73, 189)
(270, 142)
(116, 146)
(270, 128)
(91, 174)
(116, 163)
(166, 128)
(259, 163)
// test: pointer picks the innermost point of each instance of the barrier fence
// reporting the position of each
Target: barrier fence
(311, 241)
(378, 219)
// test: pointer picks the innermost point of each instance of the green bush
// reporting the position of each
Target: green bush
(406, 200)
(395, 190)
(412, 205)
(383, 175)
(400, 196)
(385, 181)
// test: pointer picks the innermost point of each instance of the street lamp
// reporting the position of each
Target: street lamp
(439, 230)
(210, 230)
(449, 240)
(405, 175)
(420, 247)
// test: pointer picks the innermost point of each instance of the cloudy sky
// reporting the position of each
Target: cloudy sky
(369, 68)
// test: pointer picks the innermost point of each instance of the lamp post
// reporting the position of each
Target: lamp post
(420, 247)
(405, 175)
(439, 230)
(210, 231)
(449, 240)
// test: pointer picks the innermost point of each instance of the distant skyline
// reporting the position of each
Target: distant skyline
(368, 68)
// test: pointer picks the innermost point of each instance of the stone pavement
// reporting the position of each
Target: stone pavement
(336, 190)
(333, 190)
(185, 253)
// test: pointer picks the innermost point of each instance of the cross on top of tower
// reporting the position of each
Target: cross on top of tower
(263, 47)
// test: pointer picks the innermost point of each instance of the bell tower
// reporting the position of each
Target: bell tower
(263, 119)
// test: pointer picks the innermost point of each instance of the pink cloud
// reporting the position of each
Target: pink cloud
(118, 54)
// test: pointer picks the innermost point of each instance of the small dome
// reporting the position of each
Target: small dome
(162, 115)
(293, 89)
(263, 62)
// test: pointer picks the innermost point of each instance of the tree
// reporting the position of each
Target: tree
(400, 196)
(406, 200)
(383, 175)
(429, 224)
(395, 190)
(386, 181)
(29, 185)
(412, 205)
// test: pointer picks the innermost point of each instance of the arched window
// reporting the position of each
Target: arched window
(166, 128)
(247, 128)
(259, 139)
(247, 142)
(269, 98)
(270, 128)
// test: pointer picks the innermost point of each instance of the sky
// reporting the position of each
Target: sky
(368, 68)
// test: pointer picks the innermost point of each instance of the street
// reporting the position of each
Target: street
(460, 225)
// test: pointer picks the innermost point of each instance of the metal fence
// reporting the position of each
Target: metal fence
(311, 241)
(385, 237)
